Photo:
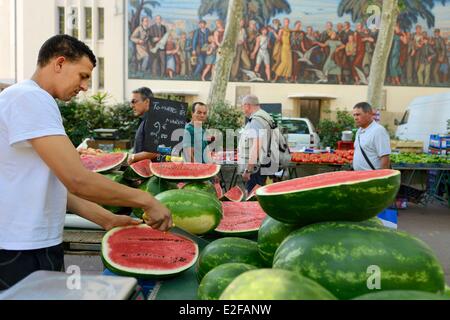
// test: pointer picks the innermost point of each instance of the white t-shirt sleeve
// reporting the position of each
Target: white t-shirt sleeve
(33, 115)
(382, 142)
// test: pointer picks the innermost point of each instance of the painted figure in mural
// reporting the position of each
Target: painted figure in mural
(370, 38)
(219, 33)
(261, 53)
(440, 67)
(297, 47)
(182, 42)
(140, 38)
(199, 41)
(357, 67)
(210, 61)
(172, 63)
(284, 67)
(158, 40)
(275, 44)
(394, 66)
(252, 34)
(425, 55)
(326, 35)
(241, 59)
(331, 68)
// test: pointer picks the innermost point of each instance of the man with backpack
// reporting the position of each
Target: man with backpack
(263, 151)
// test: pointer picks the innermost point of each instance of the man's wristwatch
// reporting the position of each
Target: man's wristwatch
(132, 157)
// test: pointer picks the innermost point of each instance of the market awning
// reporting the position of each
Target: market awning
(312, 96)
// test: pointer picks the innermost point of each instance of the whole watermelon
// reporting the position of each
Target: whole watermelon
(154, 186)
(205, 186)
(227, 250)
(351, 259)
(116, 176)
(271, 235)
(194, 211)
(215, 281)
(402, 295)
(272, 284)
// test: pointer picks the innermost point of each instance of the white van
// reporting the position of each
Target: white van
(300, 133)
(425, 116)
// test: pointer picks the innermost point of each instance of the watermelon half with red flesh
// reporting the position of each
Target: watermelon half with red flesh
(252, 195)
(103, 162)
(145, 253)
(241, 219)
(139, 170)
(335, 196)
(235, 194)
(184, 171)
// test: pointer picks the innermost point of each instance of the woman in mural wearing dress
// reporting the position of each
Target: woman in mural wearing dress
(394, 67)
(284, 68)
(172, 49)
(331, 68)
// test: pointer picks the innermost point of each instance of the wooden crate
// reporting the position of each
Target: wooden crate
(407, 146)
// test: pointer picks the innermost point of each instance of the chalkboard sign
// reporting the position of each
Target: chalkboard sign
(162, 122)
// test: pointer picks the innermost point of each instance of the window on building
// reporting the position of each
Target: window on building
(101, 73)
(61, 20)
(101, 23)
(88, 21)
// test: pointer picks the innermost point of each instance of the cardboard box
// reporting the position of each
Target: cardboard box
(109, 145)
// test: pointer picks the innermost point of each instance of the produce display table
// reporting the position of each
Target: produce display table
(430, 193)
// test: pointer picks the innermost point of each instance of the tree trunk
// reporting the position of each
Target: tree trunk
(380, 59)
(226, 54)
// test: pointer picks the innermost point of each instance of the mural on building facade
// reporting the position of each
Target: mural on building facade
(325, 41)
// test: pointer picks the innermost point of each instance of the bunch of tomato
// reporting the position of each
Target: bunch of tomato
(340, 157)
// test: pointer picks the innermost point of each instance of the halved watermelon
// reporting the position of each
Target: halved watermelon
(145, 253)
(241, 219)
(235, 194)
(219, 190)
(252, 195)
(184, 171)
(103, 162)
(138, 170)
(335, 196)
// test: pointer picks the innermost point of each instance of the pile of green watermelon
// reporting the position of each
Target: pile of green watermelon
(322, 241)
(313, 238)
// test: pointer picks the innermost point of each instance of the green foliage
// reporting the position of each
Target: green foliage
(81, 117)
(223, 117)
(330, 132)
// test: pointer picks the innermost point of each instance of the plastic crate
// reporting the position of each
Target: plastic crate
(345, 145)
(439, 141)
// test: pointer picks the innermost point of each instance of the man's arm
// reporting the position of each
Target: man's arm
(95, 213)
(63, 159)
(142, 156)
(253, 158)
(385, 162)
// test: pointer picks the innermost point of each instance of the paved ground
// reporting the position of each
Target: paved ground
(431, 224)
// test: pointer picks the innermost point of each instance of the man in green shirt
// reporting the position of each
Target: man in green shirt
(194, 140)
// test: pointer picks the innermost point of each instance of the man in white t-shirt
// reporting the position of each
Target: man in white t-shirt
(41, 174)
(372, 145)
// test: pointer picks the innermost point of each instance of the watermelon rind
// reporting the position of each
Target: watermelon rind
(351, 201)
(196, 212)
(217, 280)
(116, 176)
(402, 295)
(231, 197)
(250, 212)
(191, 171)
(116, 165)
(228, 250)
(133, 172)
(272, 284)
(142, 273)
(342, 256)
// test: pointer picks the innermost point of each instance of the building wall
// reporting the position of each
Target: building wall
(37, 21)
(6, 39)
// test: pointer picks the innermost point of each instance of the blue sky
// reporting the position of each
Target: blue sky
(314, 13)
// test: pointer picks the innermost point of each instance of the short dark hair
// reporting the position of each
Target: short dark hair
(364, 106)
(64, 45)
(145, 92)
(195, 104)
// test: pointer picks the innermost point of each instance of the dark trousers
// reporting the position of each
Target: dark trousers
(159, 64)
(17, 265)
(255, 179)
(201, 60)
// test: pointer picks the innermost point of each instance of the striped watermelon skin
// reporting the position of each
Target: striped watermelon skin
(228, 250)
(197, 212)
(340, 255)
(215, 281)
(402, 295)
(346, 201)
(272, 284)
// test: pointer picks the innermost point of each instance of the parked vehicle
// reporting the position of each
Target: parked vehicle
(300, 133)
(425, 116)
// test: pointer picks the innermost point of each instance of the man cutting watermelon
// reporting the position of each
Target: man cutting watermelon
(41, 173)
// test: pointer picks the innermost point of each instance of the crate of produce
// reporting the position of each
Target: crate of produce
(407, 146)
